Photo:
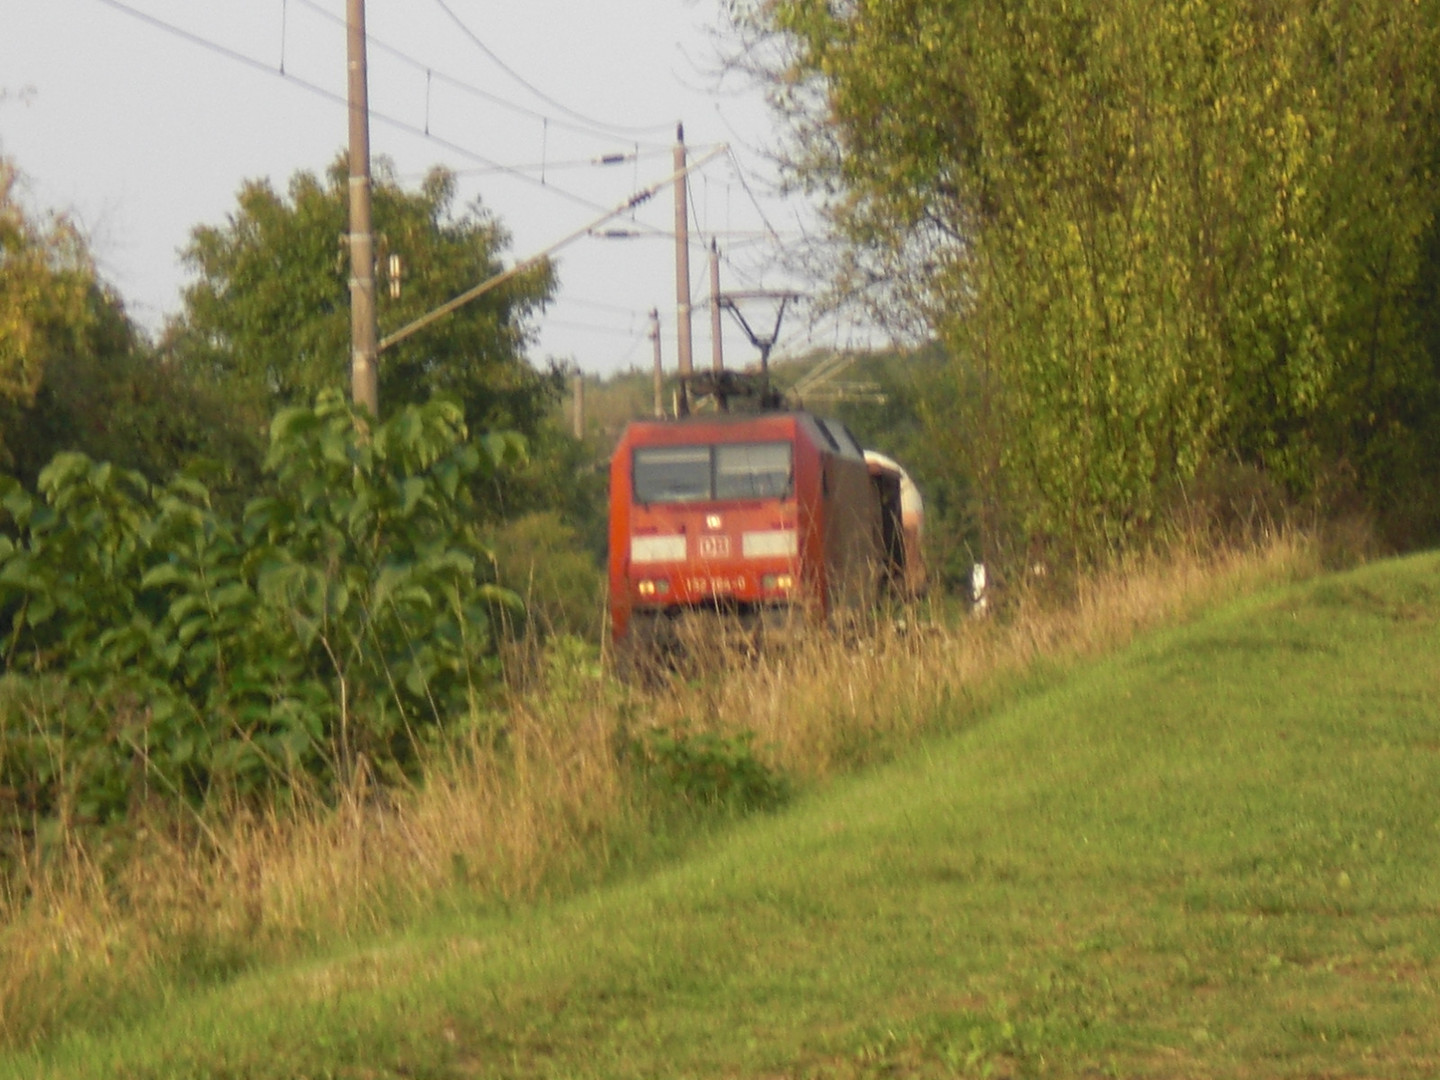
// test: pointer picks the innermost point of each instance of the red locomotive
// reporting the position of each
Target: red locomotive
(761, 515)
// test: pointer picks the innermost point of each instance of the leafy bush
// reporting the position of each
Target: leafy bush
(348, 612)
(709, 770)
(563, 586)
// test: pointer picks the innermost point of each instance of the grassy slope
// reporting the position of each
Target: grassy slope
(1215, 854)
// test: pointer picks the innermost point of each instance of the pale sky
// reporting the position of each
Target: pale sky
(142, 134)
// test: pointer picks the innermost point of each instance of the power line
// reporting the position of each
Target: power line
(536, 259)
(542, 166)
(475, 40)
(492, 167)
(593, 328)
(736, 164)
(395, 122)
(740, 170)
(340, 99)
(599, 305)
(598, 130)
(693, 204)
(744, 183)
(739, 271)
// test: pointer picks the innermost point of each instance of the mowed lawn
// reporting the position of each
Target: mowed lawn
(1214, 854)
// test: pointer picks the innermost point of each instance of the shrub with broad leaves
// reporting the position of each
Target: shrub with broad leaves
(351, 611)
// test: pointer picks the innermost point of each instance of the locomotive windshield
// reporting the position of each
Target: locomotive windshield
(752, 470)
(672, 474)
(678, 474)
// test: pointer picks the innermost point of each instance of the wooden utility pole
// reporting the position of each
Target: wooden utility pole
(364, 383)
(682, 271)
(659, 367)
(579, 384)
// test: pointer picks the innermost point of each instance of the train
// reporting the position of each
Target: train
(775, 519)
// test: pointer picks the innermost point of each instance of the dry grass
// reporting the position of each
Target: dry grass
(820, 706)
(87, 930)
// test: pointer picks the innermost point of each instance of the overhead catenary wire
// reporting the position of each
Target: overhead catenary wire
(599, 131)
(605, 129)
(618, 361)
(701, 236)
(593, 328)
(624, 129)
(340, 99)
(600, 305)
(595, 162)
(739, 240)
(744, 183)
(771, 235)
(540, 256)
(741, 272)
(288, 65)
(740, 170)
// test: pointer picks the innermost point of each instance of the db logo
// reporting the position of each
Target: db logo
(714, 547)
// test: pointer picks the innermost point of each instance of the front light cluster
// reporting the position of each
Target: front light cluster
(652, 587)
(777, 582)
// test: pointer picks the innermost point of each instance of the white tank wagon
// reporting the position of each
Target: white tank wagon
(902, 520)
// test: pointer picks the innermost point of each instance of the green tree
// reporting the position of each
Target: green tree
(1155, 238)
(113, 399)
(899, 423)
(77, 374)
(268, 314)
(45, 281)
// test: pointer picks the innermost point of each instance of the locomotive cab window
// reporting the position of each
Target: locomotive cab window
(752, 470)
(680, 474)
(672, 474)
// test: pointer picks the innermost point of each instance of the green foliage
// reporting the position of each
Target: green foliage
(706, 770)
(45, 279)
(1153, 239)
(573, 671)
(269, 317)
(77, 374)
(111, 398)
(567, 476)
(904, 425)
(1212, 854)
(546, 562)
(347, 613)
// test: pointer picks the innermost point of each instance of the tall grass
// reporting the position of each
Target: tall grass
(541, 799)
